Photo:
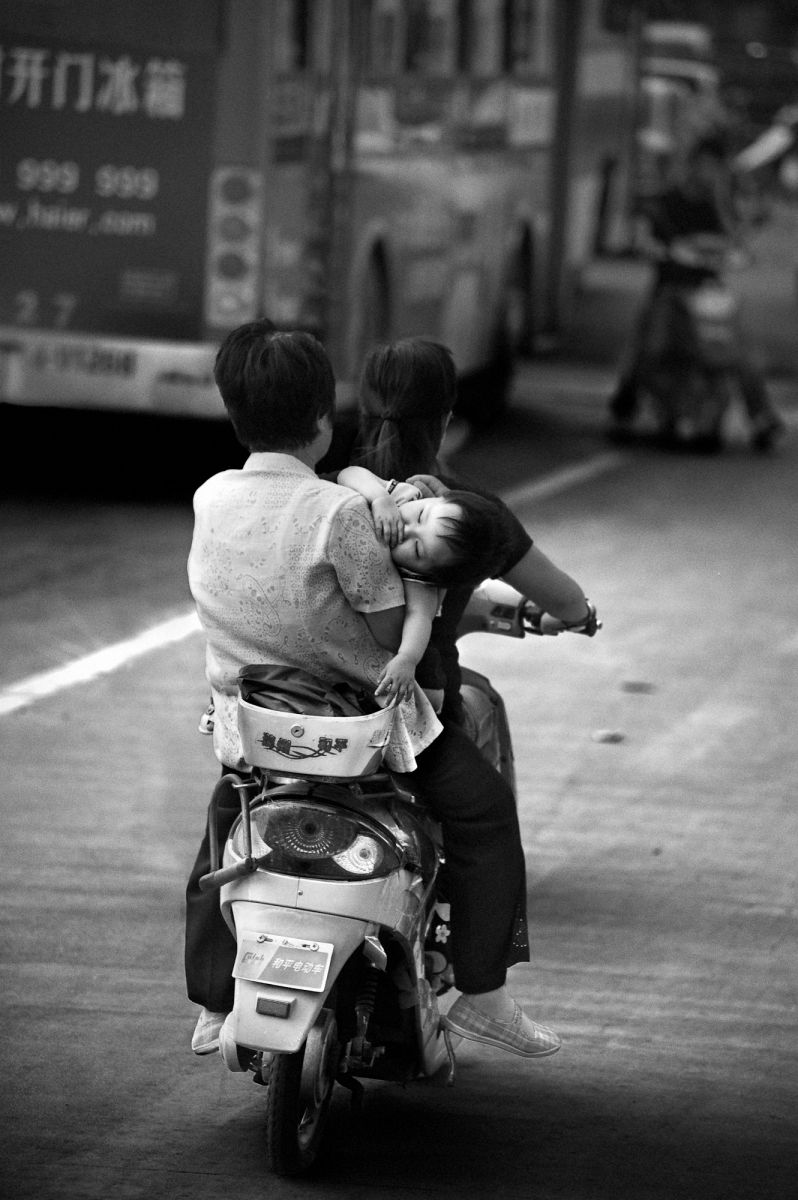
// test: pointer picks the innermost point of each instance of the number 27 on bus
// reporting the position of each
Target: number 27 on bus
(363, 169)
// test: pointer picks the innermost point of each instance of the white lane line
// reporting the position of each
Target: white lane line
(47, 683)
(101, 662)
(560, 481)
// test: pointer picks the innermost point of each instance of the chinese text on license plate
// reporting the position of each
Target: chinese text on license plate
(287, 962)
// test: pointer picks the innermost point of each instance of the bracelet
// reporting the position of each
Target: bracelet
(393, 483)
(588, 625)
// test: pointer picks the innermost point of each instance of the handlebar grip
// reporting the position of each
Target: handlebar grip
(531, 618)
(217, 879)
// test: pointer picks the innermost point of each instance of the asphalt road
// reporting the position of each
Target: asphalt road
(660, 863)
(657, 772)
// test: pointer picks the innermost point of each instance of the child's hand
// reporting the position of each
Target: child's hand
(397, 680)
(389, 525)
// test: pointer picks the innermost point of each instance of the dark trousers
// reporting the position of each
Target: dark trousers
(485, 873)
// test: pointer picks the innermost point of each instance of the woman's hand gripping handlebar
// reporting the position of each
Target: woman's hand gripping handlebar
(495, 607)
(541, 623)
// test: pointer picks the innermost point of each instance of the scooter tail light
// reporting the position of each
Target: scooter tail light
(301, 838)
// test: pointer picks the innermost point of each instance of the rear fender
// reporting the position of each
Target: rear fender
(251, 1024)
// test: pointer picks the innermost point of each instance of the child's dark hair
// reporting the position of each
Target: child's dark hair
(276, 386)
(473, 541)
(407, 389)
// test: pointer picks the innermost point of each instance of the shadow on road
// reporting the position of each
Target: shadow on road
(119, 456)
(529, 1135)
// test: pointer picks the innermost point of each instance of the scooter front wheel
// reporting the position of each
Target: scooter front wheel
(298, 1099)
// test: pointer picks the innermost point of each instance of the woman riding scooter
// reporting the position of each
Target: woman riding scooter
(699, 207)
(408, 390)
(407, 394)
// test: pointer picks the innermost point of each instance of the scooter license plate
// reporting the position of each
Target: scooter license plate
(286, 962)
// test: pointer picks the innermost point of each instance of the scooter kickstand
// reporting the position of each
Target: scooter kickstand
(355, 1087)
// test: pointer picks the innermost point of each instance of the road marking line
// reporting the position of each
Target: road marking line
(48, 683)
(560, 481)
(101, 662)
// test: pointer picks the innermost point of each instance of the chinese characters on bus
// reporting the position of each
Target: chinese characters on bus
(81, 81)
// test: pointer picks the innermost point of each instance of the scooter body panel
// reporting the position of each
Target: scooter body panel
(397, 900)
(431, 1043)
(268, 1016)
(337, 912)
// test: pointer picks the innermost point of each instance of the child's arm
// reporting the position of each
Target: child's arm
(384, 497)
(421, 605)
(363, 481)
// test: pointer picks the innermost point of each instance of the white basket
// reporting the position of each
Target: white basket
(313, 745)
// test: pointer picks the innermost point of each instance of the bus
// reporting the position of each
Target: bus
(362, 169)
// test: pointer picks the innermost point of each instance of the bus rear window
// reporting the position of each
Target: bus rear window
(485, 39)
(292, 36)
(530, 45)
(432, 38)
(383, 37)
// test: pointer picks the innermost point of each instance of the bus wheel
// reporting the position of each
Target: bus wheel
(484, 395)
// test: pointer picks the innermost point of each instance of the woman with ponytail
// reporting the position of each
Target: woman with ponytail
(408, 391)
(407, 394)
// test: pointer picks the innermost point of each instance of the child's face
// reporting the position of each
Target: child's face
(424, 546)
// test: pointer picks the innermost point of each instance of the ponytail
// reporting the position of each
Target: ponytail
(407, 389)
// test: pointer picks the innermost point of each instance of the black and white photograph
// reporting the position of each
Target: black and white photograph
(345, 346)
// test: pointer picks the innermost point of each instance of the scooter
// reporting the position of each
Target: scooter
(332, 882)
(690, 377)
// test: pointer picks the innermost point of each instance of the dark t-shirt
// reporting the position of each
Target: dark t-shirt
(673, 215)
(440, 666)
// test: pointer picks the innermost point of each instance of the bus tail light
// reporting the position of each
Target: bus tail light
(235, 221)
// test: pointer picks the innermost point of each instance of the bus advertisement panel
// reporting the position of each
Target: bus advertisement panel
(102, 187)
(364, 169)
(104, 124)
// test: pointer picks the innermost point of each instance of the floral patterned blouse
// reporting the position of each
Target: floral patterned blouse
(281, 566)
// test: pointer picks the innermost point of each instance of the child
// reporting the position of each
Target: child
(434, 542)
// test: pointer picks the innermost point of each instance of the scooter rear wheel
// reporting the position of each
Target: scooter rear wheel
(298, 1099)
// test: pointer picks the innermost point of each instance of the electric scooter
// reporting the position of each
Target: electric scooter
(331, 881)
(690, 380)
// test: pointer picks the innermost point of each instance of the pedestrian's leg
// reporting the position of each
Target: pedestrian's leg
(766, 424)
(623, 404)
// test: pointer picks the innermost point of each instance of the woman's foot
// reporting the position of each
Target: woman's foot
(206, 1033)
(495, 1019)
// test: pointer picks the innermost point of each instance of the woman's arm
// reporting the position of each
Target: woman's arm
(537, 578)
(429, 485)
(421, 605)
